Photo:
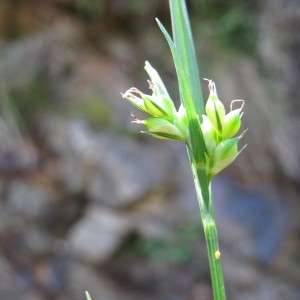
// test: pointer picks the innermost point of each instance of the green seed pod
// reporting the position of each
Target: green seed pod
(232, 124)
(214, 108)
(159, 106)
(137, 101)
(209, 135)
(161, 128)
(225, 153)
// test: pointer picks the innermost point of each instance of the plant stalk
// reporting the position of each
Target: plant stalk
(211, 235)
(214, 255)
(184, 54)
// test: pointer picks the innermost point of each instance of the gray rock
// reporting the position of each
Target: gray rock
(27, 199)
(37, 241)
(16, 152)
(98, 234)
(9, 288)
(254, 221)
(129, 171)
(82, 278)
(115, 170)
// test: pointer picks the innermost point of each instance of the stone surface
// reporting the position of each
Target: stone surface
(27, 199)
(118, 171)
(253, 223)
(98, 234)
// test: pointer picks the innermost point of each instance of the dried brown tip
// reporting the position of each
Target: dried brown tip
(243, 133)
(236, 101)
(129, 93)
(151, 85)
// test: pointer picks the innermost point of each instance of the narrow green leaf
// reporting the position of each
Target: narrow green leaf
(189, 85)
(88, 297)
(185, 90)
(183, 84)
(183, 41)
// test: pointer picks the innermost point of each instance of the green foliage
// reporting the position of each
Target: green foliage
(231, 23)
(93, 9)
(235, 29)
(178, 248)
(35, 96)
(93, 110)
(136, 7)
(25, 102)
(90, 9)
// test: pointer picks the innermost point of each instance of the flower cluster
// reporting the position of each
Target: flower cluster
(165, 121)
(218, 128)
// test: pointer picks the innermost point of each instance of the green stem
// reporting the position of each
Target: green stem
(184, 55)
(210, 231)
(214, 255)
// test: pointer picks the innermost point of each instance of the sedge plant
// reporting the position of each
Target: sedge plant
(207, 129)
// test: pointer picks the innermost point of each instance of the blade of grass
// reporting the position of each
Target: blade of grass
(197, 151)
(183, 41)
(88, 297)
(187, 89)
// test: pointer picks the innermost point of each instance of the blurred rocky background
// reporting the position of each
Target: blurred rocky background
(88, 203)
